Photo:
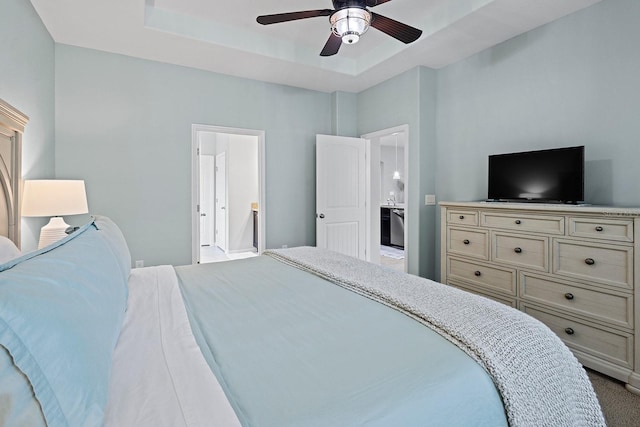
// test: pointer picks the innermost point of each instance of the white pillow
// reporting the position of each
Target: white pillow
(8, 250)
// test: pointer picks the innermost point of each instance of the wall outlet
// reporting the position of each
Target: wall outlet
(140, 263)
(430, 199)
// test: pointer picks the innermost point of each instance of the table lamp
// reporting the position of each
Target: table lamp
(54, 198)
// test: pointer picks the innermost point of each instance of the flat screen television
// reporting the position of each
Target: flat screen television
(546, 176)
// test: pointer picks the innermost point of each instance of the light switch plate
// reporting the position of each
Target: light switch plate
(430, 199)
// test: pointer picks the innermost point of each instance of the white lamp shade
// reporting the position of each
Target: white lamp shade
(54, 197)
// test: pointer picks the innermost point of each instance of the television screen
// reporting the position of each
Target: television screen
(553, 176)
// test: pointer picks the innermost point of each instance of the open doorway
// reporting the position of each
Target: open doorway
(389, 185)
(227, 192)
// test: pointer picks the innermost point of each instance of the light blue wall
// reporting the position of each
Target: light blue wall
(572, 82)
(124, 124)
(429, 233)
(27, 83)
(409, 98)
(344, 114)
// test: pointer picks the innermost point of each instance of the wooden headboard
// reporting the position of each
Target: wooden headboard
(12, 123)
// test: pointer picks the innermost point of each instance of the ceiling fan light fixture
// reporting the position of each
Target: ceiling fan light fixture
(350, 23)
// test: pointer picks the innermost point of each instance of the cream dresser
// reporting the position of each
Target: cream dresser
(575, 268)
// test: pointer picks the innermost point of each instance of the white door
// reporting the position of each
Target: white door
(341, 194)
(221, 202)
(206, 199)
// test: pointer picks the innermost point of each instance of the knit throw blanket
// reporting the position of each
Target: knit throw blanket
(540, 381)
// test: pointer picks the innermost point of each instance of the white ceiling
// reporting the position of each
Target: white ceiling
(224, 37)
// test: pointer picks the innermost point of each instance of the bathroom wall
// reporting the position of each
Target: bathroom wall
(388, 166)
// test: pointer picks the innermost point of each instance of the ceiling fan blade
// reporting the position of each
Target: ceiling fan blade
(395, 29)
(292, 16)
(332, 46)
(373, 3)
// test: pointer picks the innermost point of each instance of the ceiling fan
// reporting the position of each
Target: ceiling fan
(349, 20)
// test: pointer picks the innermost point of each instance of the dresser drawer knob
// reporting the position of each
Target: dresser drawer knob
(518, 250)
(589, 261)
(599, 228)
(518, 222)
(466, 241)
(569, 331)
(568, 295)
(477, 273)
(461, 216)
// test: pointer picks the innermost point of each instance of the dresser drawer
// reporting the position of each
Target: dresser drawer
(520, 251)
(604, 343)
(462, 217)
(599, 262)
(600, 228)
(511, 302)
(487, 277)
(574, 268)
(534, 223)
(610, 306)
(473, 243)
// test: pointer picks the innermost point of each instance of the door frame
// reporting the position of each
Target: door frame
(195, 183)
(210, 164)
(373, 172)
(225, 231)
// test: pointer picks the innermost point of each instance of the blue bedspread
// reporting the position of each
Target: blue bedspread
(292, 349)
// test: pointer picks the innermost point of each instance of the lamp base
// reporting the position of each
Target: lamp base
(53, 231)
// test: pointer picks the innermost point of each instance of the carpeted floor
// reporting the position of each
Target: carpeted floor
(621, 408)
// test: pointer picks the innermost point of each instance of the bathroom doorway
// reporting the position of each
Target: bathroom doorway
(228, 218)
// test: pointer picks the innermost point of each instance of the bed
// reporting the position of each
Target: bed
(295, 337)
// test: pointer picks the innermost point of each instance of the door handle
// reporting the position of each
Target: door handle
(321, 216)
(223, 208)
(203, 214)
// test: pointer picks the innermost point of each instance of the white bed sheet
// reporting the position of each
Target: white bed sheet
(159, 376)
